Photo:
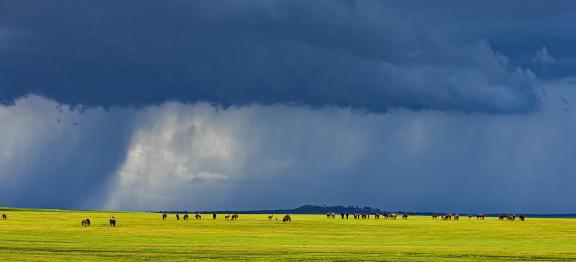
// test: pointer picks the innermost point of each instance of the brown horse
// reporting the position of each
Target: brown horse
(85, 222)
(164, 216)
(4, 217)
(405, 216)
(481, 217)
(434, 216)
(226, 217)
(185, 217)
(234, 217)
(270, 217)
(198, 216)
(286, 219)
(177, 216)
(113, 221)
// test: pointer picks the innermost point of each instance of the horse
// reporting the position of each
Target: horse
(226, 217)
(4, 217)
(434, 216)
(164, 216)
(270, 217)
(286, 219)
(185, 217)
(234, 217)
(177, 216)
(85, 222)
(213, 215)
(480, 216)
(522, 217)
(456, 217)
(113, 221)
(198, 216)
(405, 216)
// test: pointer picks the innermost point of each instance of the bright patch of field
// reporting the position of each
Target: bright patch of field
(57, 235)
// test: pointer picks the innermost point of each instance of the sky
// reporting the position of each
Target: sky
(262, 104)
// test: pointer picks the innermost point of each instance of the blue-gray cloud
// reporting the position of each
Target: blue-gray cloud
(373, 55)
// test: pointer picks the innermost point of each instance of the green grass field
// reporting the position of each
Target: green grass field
(57, 235)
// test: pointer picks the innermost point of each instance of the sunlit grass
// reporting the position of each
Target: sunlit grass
(57, 235)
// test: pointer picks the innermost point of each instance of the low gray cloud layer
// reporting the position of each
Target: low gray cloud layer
(176, 156)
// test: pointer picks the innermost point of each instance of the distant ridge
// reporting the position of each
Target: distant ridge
(315, 209)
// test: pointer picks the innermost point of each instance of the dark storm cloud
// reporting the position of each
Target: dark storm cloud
(363, 54)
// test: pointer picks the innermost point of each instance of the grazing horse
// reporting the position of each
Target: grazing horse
(447, 217)
(164, 216)
(286, 219)
(85, 222)
(234, 217)
(198, 216)
(213, 215)
(4, 217)
(177, 216)
(456, 217)
(481, 216)
(226, 217)
(185, 217)
(522, 217)
(405, 216)
(434, 216)
(113, 221)
(270, 217)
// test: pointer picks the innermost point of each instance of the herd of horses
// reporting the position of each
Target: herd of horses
(287, 218)
(232, 217)
(366, 216)
(198, 216)
(434, 216)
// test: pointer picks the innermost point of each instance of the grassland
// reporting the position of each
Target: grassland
(57, 235)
